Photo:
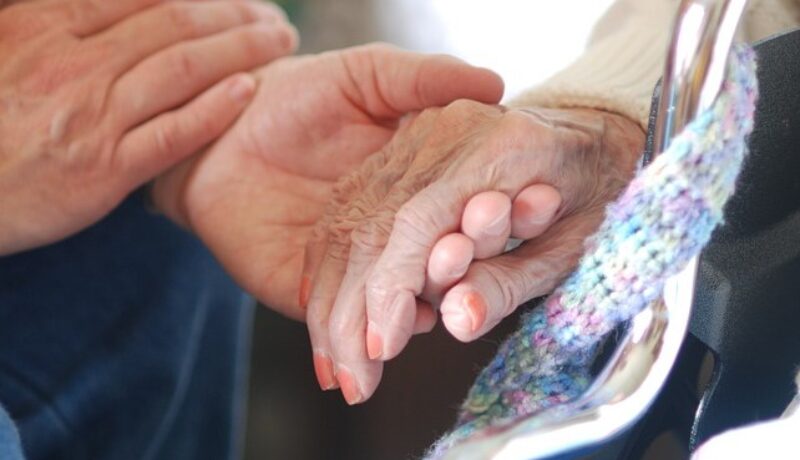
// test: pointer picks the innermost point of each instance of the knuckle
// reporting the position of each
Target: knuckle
(409, 216)
(341, 325)
(515, 148)
(347, 187)
(339, 239)
(376, 290)
(166, 139)
(370, 237)
(52, 71)
(515, 131)
(185, 67)
(413, 219)
(80, 158)
(414, 181)
(464, 117)
(505, 282)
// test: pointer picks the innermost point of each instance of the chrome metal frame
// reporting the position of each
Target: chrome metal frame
(630, 382)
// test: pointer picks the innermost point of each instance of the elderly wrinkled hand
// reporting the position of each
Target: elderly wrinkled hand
(255, 196)
(451, 187)
(98, 97)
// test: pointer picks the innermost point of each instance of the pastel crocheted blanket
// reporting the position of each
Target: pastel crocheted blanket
(663, 219)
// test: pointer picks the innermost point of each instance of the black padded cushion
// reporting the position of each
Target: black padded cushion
(747, 302)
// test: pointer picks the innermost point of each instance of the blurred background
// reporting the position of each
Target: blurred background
(525, 41)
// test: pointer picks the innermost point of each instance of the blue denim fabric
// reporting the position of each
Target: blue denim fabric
(126, 341)
(10, 448)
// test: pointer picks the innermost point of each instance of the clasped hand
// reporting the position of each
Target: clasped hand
(333, 192)
(358, 183)
(454, 183)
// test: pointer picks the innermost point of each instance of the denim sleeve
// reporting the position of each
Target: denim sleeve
(9, 438)
(126, 341)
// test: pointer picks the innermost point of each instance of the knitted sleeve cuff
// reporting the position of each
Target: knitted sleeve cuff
(617, 72)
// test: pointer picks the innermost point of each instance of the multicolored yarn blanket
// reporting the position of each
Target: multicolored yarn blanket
(663, 219)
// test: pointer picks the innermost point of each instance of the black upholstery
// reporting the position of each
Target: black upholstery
(747, 302)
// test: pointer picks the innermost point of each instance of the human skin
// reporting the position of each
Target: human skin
(407, 210)
(99, 97)
(256, 194)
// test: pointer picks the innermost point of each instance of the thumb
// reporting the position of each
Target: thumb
(493, 289)
(392, 82)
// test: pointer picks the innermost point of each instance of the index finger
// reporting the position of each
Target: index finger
(158, 28)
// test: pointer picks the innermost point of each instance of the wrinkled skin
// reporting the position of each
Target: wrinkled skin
(98, 97)
(404, 212)
(255, 196)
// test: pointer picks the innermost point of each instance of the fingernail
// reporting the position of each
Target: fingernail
(468, 316)
(543, 216)
(287, 38)
(374, 342)
(476, 309)
(267, 14)
(458, 272)
(242, 88)
(457, 319)
(305, 291)
(499, 226)
(323, 367)
(349, 386)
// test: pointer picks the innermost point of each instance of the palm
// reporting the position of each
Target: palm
(272, 173)
(255, 196)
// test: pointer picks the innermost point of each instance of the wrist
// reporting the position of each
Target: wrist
(623, 138)
(624, 135)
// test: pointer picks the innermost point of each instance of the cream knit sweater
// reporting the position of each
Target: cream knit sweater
(626, 51)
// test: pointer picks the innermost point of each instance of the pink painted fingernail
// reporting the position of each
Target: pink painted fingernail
(287, 37)
(475, 308)
(457, 319)
(349, 386)
(458, 272)
(374, 342)
(543, 215)
(323, 367)
(499, 226)
(467, 316)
